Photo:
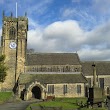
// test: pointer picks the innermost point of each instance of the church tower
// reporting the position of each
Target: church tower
(14, 46)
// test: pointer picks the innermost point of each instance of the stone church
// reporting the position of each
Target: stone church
(39, 75)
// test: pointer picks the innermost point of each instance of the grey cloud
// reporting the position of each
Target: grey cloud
(68, 36)
(100, 35)
(94, 55)
(58, 36)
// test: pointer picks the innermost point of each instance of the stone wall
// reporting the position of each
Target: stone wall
(71, 90)
(58, 90)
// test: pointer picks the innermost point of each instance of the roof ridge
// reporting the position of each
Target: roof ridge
(95, 61)
(51, 53)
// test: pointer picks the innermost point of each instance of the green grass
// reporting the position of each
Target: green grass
(65, 103)
(94, 109)
(4, 96)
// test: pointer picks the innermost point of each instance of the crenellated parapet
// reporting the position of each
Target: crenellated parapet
(14, 19)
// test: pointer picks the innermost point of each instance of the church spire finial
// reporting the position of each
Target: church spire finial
(3, 13)
(11, 14)
(25, 14)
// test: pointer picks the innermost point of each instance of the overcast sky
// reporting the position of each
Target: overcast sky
(81, 26)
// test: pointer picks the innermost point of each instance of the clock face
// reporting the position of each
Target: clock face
(13, 45)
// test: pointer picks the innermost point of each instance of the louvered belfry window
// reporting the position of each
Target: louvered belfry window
(12, 33)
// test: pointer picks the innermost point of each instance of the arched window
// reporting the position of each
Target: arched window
(58, 69)
(33, 69)
(63, 69)
(76, 69)
(12, 33)
(67, 69)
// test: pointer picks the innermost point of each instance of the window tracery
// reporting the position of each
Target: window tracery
(12, 33)
(54, 69)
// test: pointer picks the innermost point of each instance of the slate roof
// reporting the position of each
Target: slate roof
(102, 68)
(52, 59)
(52, 78)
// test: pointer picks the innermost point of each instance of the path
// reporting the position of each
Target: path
(17, 105)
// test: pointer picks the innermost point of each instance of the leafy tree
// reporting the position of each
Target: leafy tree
(3, 68)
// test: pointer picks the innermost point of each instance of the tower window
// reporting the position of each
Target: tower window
(12, 33)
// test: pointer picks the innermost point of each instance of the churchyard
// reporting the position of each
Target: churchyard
(63, 104)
